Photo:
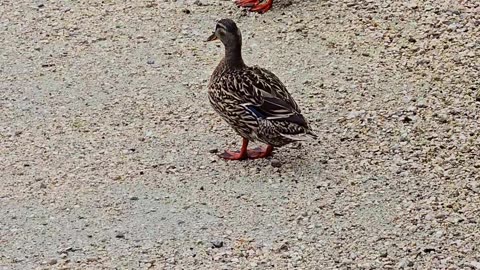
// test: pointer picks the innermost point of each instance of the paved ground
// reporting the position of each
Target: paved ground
(106, 137)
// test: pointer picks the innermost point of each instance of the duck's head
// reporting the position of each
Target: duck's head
(227, 32)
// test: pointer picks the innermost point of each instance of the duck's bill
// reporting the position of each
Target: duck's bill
(212, 38)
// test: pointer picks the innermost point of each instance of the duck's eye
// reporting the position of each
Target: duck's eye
(220, 31)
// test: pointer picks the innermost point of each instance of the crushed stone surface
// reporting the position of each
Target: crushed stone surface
(108, 144)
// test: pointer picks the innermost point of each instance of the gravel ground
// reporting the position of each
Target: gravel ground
(107, 139)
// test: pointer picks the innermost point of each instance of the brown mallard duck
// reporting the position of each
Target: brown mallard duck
(255, 5)
(252, 100)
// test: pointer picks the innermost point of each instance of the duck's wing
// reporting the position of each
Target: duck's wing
(268, 98)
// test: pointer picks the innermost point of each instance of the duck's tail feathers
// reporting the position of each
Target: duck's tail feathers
(301, 136)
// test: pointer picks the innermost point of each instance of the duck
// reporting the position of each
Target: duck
(255, 5)
(252, 100)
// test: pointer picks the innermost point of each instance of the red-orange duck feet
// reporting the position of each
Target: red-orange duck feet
(245, 153)
(255, 6)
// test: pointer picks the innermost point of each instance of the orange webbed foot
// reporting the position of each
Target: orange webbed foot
(255, 6)
(233, 155)
(262, 8)
(247, 3)
(259, 152)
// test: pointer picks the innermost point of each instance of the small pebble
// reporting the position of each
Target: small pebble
(217, 243)
(276, 163)
(404, 263)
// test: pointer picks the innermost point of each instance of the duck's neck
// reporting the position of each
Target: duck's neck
(233, 56)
